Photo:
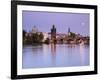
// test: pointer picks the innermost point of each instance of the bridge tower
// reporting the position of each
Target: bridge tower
(53, 33)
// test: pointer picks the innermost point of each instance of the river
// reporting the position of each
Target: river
(59, 55)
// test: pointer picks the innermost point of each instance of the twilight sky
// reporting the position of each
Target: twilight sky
(77, 22)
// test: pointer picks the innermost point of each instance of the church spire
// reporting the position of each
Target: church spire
(68, 30)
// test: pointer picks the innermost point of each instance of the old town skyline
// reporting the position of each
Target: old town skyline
(79, 23)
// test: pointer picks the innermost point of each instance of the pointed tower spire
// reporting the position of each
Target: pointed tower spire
(68, 30)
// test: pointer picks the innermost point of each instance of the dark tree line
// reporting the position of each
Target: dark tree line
(32, 38)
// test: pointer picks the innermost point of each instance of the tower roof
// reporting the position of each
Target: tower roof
(34, 29)
(68, 30)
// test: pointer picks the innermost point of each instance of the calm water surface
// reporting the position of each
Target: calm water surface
(60, 55)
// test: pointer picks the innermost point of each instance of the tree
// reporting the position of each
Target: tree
(47, 41)
(41, 36)
(34, 38)
(28, 40)
(37, 38)
(24, 32)
(73, 35)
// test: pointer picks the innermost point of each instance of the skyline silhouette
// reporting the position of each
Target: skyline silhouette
(78, 23)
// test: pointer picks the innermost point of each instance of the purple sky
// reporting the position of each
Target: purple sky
(78, 23)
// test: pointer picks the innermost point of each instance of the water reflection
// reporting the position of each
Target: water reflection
(52, 55)
(82, 54)
(83, 58)
(53, 52)
(53, 48)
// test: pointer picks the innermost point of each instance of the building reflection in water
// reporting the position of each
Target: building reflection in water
(70, 49)
(82, 57)
(55, 55)
(53, 52)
